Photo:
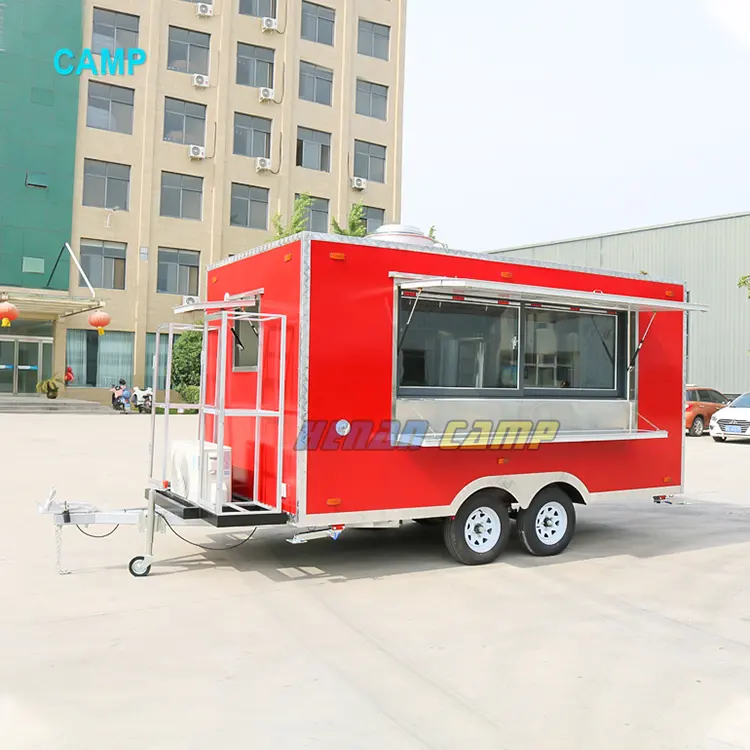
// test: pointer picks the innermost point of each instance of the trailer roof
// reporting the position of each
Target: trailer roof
(436, 250)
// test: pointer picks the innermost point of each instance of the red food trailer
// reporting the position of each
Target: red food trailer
(362, 382)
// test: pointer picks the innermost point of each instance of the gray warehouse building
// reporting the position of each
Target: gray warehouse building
(709, 256)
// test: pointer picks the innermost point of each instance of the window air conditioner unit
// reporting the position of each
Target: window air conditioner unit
(266, 94)
(359, 183)
(197, 152)
(190, 299)
(200, 81)
(269, 24)
(262, 164)
(204, 10)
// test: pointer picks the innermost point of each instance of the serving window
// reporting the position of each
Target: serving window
(454, 346)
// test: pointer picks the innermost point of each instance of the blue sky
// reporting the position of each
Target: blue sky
(542, 119)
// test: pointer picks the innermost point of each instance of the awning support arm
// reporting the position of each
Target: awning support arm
(67, 247)
(640, 344)
(408, 321)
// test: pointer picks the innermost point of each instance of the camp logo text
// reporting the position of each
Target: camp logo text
(110, 62)
(363, 434)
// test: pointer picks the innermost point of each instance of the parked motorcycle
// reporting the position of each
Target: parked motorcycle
(143, 400)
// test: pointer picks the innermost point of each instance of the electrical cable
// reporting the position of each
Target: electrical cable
(204, 546)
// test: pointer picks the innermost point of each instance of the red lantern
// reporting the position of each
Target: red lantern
(99, 320)
(8, 313)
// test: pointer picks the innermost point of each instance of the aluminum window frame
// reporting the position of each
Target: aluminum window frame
(249, 200)
(369, 91)
(122, 37)
(184, 117)
(182, 190)
(318, 74)
(254, 56)
(195, 40)
(109, 179)
(253, 8)
(117, 251)
(180, 253)
(313, 10)
(370, 156)
(319, 143)
(111, 89)
(248, 123)
(521, 391)
(372, 29)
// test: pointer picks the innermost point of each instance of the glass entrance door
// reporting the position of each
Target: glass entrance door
(27, 366)
(7, 365)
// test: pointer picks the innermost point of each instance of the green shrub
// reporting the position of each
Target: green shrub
(191, 394)
(186, 360)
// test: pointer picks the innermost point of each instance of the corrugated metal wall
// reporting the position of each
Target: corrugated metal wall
(709, 256)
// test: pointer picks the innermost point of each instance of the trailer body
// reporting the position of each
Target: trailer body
(352, 450)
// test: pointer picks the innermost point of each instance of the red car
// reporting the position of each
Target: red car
(701, 404)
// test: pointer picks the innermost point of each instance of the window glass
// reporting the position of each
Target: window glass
(252, 135)
(246, 341)
(184, 122)
(570, 350)
(249, 207)
(258, 8)
(313, 149)
(373, 39)
(254, 66)
(315, 83)
(188, 51)
(448, 344)
(317, 23)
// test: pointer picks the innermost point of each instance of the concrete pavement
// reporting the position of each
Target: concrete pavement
(637, 637)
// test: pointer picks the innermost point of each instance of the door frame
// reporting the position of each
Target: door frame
(16, 340)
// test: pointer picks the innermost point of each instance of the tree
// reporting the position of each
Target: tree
(186, 360)
(356, 226)
(744, 283)
(300, 216)
(431, 234)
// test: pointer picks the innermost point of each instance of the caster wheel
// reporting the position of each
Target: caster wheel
(137, 568)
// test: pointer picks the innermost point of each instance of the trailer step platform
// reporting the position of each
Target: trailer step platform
(240, 512)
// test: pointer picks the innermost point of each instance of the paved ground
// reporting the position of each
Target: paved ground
(638, 637)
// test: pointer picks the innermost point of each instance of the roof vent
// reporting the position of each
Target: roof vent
(402, 234)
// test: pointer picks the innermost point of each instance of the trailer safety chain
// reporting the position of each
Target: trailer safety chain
(98, 536)
(205, 546)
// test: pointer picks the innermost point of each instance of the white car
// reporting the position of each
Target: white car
(732, 421)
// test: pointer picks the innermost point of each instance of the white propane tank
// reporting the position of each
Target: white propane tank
(402, 234)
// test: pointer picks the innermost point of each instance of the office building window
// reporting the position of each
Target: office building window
(184, 122)
(372, 100)
(369, 161)
(373, 39)
(177, 271)
(259, 8)
(317, 215)
(103, 263)
(110, 108)
(106, 185)
(99, 361)
(373, 218)
(161, 375)
(314, 149)
(317, 23)
(254, 66)
(249, 207)
(188, 51)
(252, 135)
(315, 83)
(113, 31)
(181, 196)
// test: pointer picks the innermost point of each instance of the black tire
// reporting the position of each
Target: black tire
(555, 512)
(720, 439)
(697, 428)
(490, 521)
(137, 570)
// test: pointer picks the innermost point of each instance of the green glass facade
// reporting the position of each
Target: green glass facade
(38, 117)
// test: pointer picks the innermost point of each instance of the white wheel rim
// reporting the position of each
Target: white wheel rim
(482, 529)
(551, 523)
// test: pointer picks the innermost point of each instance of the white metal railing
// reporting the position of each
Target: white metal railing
(218, 318)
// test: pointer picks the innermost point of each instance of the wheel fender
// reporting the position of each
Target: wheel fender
(523, 487)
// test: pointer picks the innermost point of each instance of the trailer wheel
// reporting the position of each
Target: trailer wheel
(480, 531)
(548, 524)
(137, 568)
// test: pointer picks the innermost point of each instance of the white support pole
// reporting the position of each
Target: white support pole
(167, 398)
(221, 377)
(280, 445)
(258, 407)
(154, 384)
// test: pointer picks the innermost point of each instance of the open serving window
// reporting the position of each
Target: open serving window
(469, 350)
